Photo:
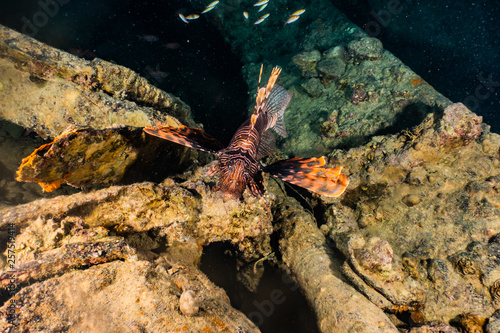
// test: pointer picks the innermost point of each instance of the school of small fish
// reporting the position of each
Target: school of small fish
(261, 5)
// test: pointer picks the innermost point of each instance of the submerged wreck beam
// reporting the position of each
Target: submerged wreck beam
(338, 306)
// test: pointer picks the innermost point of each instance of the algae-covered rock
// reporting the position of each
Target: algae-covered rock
(306, 62)
(459, 123)
(86, 157)
(188, 214)
(313, 87)
(421, 233)
(493, 323)
(46, 90)
(129, 296)
(338, 306)
(366, 48)
(108, 237)
(331, 68)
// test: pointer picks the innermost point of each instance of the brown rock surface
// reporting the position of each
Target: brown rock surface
(119, 284)
(128, 296)
(84, 157)
(338, 306)
(437, 206)
(47, 90)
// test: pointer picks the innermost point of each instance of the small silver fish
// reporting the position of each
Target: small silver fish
(261, 3)
(292, 19)
(245, 15)
(183, 18)
(206, 10)
(262, 18)
(192, 17)
(262, 8)
(298, 12)
(210, 7)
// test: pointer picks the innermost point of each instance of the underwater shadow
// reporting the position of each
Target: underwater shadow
(411, 116)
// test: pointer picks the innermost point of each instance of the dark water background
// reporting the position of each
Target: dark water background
(454, 45)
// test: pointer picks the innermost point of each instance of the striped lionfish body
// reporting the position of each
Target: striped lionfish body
(239, 165)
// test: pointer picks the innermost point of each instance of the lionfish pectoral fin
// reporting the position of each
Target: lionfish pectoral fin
(274, 106)
(186, 136)
(254, 188)
(309, 173)
(272, 101)
(279, 127)
(266, 145)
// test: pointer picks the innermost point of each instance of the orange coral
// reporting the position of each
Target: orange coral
(416, 81)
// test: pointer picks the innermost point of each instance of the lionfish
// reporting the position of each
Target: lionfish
(239, 165)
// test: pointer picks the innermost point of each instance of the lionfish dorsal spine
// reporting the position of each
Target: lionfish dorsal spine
(271, 102)
(263, 93)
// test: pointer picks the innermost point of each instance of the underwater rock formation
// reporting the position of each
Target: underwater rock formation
(190, 213)
(460, 123)
(366, 48)
(307, 61)
(419, 226)
(133, 295)
(108, 236)
(334, 59)
(46, 90)
(84, 157)
(338, 306)
(417, 231)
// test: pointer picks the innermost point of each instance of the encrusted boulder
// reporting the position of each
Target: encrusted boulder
(366, 48)
(459, 123)
(306, 62)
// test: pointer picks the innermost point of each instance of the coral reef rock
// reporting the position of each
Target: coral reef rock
(338, 306)
(420, 223)
(91, 257)
(130, 296)
(460, 123)
(366, 48)
(46, 90)
(86, 157)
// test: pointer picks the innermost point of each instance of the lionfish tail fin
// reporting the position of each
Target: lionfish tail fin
(186, 136)
(311, 174)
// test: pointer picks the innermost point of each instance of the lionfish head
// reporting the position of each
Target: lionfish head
(233, 179)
